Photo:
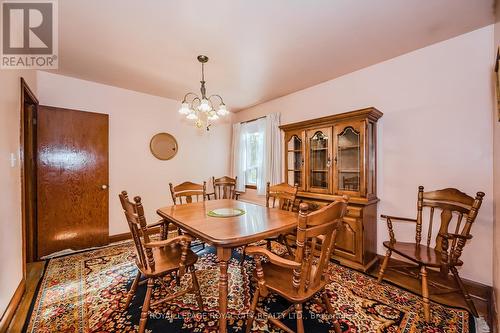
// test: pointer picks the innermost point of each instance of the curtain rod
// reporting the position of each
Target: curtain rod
(249, 121)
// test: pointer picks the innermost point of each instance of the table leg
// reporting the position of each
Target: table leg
(223, 254)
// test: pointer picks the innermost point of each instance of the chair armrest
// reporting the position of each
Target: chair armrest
(273, 258)
(397, 218)
(389, 219)
(209, 194)
(237, 194)
(152, 225)
(448, 235)
(167, 242)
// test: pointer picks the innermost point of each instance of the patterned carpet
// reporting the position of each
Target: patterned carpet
(85, 292)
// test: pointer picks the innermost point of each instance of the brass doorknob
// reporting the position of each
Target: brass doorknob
(104, 187)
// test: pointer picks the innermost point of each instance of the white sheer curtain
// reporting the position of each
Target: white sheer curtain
(273, 149)
(238, 164)
(256, 149)
(261, 161)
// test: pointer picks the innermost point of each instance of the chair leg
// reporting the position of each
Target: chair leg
(300, 320)
(383, 267)
(145, 306)
(465, 293)
(425, 294)
(251, 314)
(177, 279)
(242, 260)
(288, 248)
(329, 309)
(196, 287)
(164, 234)
(133, 289)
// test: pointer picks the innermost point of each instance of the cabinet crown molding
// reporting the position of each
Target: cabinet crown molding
(366, 113)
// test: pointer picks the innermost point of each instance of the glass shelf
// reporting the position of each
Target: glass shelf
(348, 160)
(295, 161)
(319, 177)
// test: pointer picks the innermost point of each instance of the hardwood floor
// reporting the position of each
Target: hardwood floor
(34, 274)
(481, 294)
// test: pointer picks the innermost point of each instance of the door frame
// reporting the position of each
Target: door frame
(28, 217)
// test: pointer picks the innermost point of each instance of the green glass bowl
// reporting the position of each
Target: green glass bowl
(226, 212)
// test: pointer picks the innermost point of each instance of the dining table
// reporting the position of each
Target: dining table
(210, 221)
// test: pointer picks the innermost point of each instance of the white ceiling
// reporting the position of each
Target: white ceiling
(258, 49)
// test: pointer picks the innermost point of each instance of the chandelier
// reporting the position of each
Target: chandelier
(203, 110)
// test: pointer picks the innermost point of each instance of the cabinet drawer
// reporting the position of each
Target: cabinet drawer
(354, 211)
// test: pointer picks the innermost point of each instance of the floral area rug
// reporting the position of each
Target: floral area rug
(86, 292)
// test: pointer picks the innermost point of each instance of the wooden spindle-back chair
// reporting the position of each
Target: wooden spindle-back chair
(224, 188)
(458, 212)
(185, 192)
(155, 259)
(281, 196)
(298, 279)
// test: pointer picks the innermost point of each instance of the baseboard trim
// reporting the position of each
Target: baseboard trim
(493, 311)
(128, 235)
(11, 308)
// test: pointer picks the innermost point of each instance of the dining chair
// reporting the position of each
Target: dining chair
(282, 196)
(224, 188)
(185, 193)
(156, 259)
(300, 277)
(445, 254)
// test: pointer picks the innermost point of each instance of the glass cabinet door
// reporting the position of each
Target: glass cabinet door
(349, 145)
(319, 160)
(295, 161)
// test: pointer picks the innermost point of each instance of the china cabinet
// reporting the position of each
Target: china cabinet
(335, 155)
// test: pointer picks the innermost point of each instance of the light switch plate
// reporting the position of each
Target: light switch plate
(13, 160)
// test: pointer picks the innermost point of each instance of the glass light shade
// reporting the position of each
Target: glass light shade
(222, 111)
(213, 116)
(184, 108)
(204, 105)
(192, 116)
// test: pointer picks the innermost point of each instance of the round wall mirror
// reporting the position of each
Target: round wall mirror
(163, 146)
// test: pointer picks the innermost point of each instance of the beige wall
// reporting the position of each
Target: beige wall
(10, 182)
(133, 119)
(436, 130)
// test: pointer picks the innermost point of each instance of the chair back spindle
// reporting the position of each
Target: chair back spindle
(281, 196)
(316, 233)
(185, 192)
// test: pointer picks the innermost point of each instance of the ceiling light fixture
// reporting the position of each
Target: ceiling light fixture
(203, 110)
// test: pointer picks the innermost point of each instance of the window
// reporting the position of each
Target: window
(253, 157)
(249, 155)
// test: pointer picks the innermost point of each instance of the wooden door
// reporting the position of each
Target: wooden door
(319, 160)
(349, 162)
(294, 158)
(72, 179)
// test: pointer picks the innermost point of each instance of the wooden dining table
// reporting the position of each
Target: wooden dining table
(225, 233)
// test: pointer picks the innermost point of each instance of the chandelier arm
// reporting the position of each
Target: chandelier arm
(194, 100)
(215, 95)
(188, 94)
